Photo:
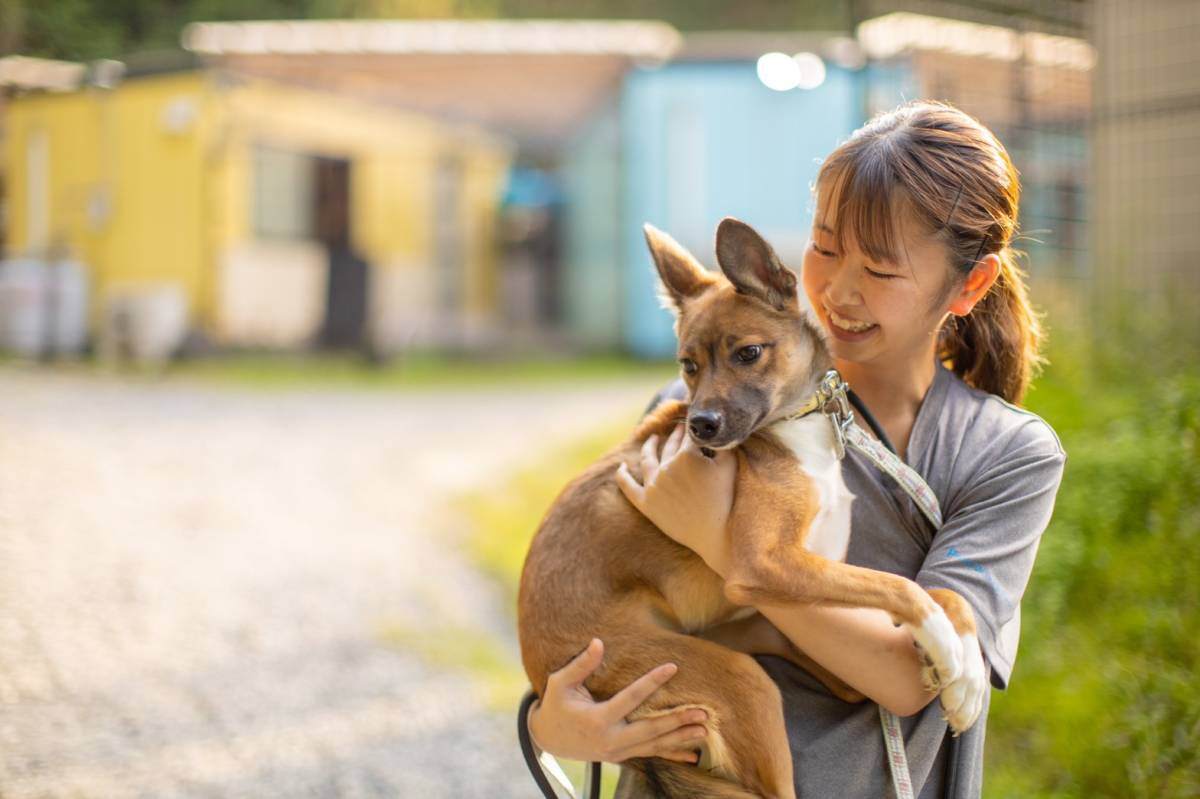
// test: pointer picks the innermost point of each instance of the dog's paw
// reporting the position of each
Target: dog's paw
(942, 650)
(962, 699)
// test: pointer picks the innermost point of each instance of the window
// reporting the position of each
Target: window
(283, 194)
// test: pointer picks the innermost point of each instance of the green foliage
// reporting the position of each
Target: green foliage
(86, 29)
(1105, 700)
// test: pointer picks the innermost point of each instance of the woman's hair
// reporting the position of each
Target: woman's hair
(932, 163)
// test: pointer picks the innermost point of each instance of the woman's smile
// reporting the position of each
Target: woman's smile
(847, 328)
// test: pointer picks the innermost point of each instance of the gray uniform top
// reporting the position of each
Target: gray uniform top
(995, 470)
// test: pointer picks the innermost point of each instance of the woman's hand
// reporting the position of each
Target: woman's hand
(686, 494)
(568, 722)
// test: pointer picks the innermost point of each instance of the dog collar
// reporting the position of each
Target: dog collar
(829, 398)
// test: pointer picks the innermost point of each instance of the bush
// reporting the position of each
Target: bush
(1105, 700)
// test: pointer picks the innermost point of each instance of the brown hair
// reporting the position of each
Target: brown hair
(941, 167)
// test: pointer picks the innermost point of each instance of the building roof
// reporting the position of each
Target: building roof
(634, 39)
(537, 79)
(899, 32)
(24, 72)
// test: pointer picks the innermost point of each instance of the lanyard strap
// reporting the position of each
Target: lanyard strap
(916, 487)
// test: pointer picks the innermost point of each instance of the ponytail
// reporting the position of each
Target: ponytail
(996, 347)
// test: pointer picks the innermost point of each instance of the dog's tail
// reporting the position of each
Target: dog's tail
(666, 779)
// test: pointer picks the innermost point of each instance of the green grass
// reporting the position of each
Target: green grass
(304, 371)
(468, 651)
(504, 519)
(416, 372)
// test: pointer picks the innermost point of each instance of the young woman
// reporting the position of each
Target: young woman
(911, 271)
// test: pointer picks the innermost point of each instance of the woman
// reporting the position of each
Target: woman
(911, 271)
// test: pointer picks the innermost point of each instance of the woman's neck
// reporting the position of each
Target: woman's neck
(893, 392)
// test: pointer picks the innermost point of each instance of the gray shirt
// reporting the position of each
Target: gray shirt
(995, 469)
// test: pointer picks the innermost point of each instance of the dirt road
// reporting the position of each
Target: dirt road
(193, 581)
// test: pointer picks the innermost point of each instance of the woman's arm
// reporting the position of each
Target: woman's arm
(688, 497)
(862, 647)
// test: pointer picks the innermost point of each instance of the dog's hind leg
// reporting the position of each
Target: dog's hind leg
(746, 750)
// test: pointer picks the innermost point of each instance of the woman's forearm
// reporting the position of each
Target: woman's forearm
(862, 647)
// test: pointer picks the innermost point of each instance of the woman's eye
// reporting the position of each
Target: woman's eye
(823, 253)
(749, 354)
(689, 366)
(883, 275)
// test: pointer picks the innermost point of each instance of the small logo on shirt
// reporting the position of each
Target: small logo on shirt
(978, 567)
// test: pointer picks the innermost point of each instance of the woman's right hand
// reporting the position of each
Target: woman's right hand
(567, 722)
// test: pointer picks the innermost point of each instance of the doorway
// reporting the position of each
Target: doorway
(349, 274)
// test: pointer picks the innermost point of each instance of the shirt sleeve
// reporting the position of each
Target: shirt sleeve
(989, 537)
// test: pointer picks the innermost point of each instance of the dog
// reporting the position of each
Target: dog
(751, 356)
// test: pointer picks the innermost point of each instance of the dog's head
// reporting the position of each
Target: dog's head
(748, 352)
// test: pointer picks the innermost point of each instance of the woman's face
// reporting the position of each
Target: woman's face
(876, 311)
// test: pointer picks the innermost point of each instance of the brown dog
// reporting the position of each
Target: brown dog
(751, 358)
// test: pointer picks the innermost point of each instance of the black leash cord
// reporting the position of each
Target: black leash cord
(861, 407)
(523, 736)
(531, 761)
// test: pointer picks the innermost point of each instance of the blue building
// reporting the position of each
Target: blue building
(682, 146)
(702, 137)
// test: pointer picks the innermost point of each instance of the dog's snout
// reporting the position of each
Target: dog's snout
(705, 424)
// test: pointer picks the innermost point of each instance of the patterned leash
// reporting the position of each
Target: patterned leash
(841, 416)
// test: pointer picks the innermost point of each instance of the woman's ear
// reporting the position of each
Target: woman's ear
(980, 279)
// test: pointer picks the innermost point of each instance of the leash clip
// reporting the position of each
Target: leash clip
(836, 406)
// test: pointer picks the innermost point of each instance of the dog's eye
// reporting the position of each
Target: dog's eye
(748, 354)
(689, 366)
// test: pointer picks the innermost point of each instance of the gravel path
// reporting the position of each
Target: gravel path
(193, 583)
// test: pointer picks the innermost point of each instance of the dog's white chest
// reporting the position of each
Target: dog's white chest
(811, 440)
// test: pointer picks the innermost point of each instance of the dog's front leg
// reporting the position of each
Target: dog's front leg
(769, 566)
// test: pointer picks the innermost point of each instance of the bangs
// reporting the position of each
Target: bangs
(864, 200)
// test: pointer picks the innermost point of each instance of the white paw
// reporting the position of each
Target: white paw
(962, 699)
(942, 648)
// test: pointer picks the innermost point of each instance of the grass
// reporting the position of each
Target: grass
(469, 651)
(501, 523)
(302, 371)
(504, 519)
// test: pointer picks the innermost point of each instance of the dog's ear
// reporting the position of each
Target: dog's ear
(680, 274)
(752, 266)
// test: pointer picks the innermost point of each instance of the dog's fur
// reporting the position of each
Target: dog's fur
(598, 568)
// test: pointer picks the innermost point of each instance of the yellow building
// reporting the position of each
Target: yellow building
(264, 214)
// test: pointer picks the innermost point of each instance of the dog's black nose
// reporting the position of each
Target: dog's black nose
(705, 424)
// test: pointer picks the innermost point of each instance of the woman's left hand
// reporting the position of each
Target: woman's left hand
(685, 494)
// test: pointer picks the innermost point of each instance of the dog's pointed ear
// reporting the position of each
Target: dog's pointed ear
(681, 275)
(752, 266)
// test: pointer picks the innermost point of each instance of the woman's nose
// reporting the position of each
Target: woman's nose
(843, 286)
